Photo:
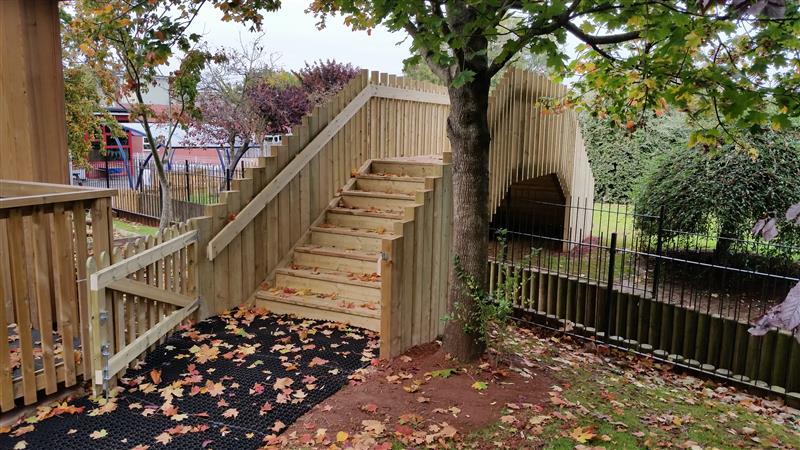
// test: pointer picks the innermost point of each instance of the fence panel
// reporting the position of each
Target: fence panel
(663, 292)
(192, 186)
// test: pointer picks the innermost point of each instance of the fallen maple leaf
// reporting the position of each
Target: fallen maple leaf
(231, 413)
(278, 426)
(375, 427)
(282, 383)
(164, 438)
(369, 407)
(444, 373)
(342, 436)
(480, 385)
(583, 434)
(155, 375)
(99, 434)
(317, 361)
(508, 419)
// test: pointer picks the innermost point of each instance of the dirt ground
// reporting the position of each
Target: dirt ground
(422, 401)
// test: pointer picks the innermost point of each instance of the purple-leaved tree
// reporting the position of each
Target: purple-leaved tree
(277, 108)
(323, 79)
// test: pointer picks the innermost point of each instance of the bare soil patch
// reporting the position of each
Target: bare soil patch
(414, 399)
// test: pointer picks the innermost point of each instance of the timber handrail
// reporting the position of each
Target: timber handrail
(110, 274)
(260, 201)
(16, 194)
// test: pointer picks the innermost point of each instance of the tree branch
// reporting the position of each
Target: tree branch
(601, 40)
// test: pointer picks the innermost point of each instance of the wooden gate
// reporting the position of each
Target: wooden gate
(137, 296)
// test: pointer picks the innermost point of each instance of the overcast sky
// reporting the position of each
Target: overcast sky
(292, 34)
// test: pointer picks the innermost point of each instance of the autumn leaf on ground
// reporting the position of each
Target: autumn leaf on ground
(342, 436)
(374, 427)
(480, 385)
(278, 426)
(583, 434)
(411, 418)
(21, 445)
(164, 438)
(231, 413)
(508, 419)
(99, 434)
(369, 407)
(282, 383)
(317, 361)
(155, 375)
(444, 373)
(411, 388)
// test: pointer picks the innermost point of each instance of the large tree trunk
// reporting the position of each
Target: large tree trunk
(468, 131)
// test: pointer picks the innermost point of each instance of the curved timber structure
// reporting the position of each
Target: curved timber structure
(537, 153)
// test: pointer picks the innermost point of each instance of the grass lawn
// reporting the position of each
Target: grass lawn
(603, 400)
(618, 218)
(134, 228)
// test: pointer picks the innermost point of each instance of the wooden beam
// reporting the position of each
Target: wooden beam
(47, 199)
(145, 290)
(33, 137)
(120, 361)
(108, 275)
(397, 93)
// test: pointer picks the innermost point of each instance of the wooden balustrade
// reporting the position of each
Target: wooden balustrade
(46, 233)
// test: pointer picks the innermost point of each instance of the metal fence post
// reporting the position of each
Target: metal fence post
(659, 245)
(188, 189)
(612, 252)
(227, 179)
(108, 175)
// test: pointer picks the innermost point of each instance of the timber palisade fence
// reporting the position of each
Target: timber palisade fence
(193, 185)
(661, 293)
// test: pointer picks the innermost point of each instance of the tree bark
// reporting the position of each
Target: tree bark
(468, 131)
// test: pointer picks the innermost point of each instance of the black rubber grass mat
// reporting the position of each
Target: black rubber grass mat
(229, 382)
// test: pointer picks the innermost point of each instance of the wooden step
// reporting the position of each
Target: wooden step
(328, 309)
(363, 219)
(377, 200)
(361, 287)
(338, 259)
(389, 183)
(348, 238)
(409, 168)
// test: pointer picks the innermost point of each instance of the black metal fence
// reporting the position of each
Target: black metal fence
(594, 273)
(192, 186)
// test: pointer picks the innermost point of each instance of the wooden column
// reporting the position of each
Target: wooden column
(33, 142)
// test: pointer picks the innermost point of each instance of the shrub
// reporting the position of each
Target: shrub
(619, 157)
(729, 188)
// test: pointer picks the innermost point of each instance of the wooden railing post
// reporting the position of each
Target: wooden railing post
(205, 268)
(99, 348)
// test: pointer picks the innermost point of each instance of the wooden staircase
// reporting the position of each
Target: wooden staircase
(334, 272)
